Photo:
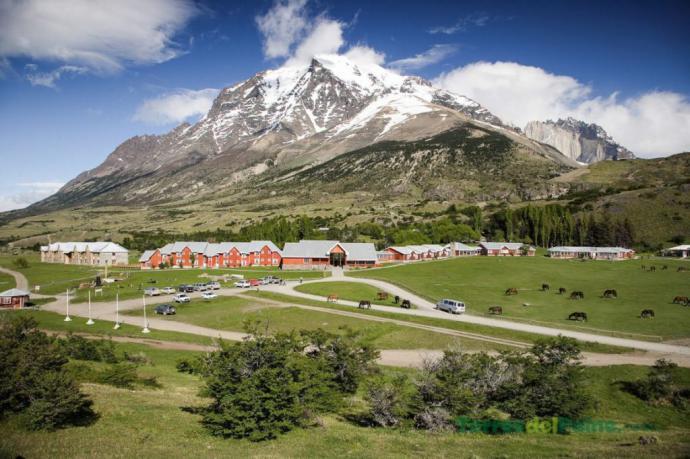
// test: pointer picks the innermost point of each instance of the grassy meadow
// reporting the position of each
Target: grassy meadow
(350, 291)
(157, 423)
(481, 282)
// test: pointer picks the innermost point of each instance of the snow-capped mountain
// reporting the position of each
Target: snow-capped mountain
(287, 119)
(585, 143)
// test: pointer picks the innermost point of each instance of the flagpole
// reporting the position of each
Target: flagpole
(67, 317)
(90, 321)
(146, 322)
(117, 311)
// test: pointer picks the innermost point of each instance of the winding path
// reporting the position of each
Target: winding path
(19, 279)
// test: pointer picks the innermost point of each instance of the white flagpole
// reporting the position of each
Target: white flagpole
(90, 321)
(117, 311)
(67, 317)
(146, 322)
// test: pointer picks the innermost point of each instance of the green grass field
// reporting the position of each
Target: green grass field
(351, 291)
(153, 423)
(6, 282)
(482, 281)
(52, 322)
(230, 313)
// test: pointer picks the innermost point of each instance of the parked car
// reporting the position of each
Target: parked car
(276, 280)
(209, 295)
(254, 282)
(165, 309)
(182, 288)
(452, 306)
(182, 298)
(243, 284)
(151, 291)
(189, 288)
(199, 287)
(265, 281)
(213, 285)
(167, 290)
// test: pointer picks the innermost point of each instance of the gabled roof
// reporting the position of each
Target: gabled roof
(359, 251)
(679, 247)
(14, 292)
(146, 256)
(308, 249)
(94, 247)
(464, 247)
(401, 249)
(500, 245)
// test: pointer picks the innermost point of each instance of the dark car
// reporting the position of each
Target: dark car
(182, 288)
(165, 309)
(189, 288)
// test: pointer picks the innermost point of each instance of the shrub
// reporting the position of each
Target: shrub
(80, 348)
(660, 386)
(389, 400)
(20, 263)
(122, 375)
(34, 380)
(267, 385)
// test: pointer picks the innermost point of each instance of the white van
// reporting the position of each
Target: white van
(452, 306)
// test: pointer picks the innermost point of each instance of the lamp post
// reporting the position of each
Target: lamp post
(117, 311)
(67, 317)
(146, 322)
(90, 321)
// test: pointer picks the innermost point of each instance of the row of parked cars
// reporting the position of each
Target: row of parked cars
(185, 288)
(256, 282)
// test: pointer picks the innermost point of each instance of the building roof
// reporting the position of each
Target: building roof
(500, 245)
(146, 256)
(94, 247)
(678, 247)
(242, 247)
(14, 292)
(464, 247)
(402, 249)
(582, 249)
(355, 251)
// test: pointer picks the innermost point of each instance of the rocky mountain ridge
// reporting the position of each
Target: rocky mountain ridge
(580, 141)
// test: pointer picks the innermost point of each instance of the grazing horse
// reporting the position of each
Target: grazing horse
(610, 293)
(647, 314)
(561, 291)
(497, 310)
(644, 268)
(664, 268)
(512, 291)
(652, 268)
(364, 304)
(332, 299)
(396, 300)
(382, 295)
(406, 304)
(577, 295)
(544, 287)
(680, 300)
(579, 316)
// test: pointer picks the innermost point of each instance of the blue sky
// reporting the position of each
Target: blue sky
(71, 90)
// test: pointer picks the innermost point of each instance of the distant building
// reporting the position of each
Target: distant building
(591, 253)
(14, 298)
(309, 254)
(506, 249)
(85, 253)
(682, 251)
(417, 252)
(458, 249)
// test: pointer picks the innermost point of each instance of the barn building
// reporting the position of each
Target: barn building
(14, 298)
(85, 253)
(310, 254)
(591, 253)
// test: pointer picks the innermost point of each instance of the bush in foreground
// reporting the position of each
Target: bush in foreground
(33, 379)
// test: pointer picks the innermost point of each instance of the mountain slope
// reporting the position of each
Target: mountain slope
(284, 119)
(585, 143)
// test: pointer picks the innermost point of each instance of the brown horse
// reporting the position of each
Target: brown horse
(382, 296)
(364, 304)
(496, 310)
(577, 295)
(680, 300)
(332, 299)
(512, 291)
(561, 291)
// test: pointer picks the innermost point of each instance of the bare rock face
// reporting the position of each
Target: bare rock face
(585, 143)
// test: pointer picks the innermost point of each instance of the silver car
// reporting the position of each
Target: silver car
(451, 306)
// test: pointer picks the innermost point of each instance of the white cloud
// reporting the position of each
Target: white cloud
(176, 106)
(29, 193)
(101, 35)
(431, 56)
(462, 24)
(48, 79)
(362, 54)
(326, 37)
(282, 26)
(651, 124)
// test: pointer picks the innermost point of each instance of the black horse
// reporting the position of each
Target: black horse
(579, 316)
(647, 314)
(364, 304)
(561, 291)
(406, 304)
(497, 310)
